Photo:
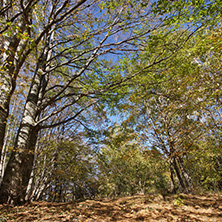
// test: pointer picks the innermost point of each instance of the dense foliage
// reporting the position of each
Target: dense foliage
(109, 98)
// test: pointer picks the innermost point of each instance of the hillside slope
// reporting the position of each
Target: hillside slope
(134, 208)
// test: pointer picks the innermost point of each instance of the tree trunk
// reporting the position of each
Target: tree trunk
(44, 178)
(20, 164)
(173, 187)
(177, 165)
(8, 138)
(187, 178)
(7, 87)
(185, 182)
(18, 171)
(42, 181)
(30, 186)
(3, 119)
(11, 60)
(4, 85)
(19, 168)
(178, 174)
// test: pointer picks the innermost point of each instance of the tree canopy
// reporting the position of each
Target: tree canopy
(109, 98)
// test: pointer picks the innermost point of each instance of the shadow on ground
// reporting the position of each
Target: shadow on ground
(184, 208)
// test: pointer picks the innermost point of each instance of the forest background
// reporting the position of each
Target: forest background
(109, 98)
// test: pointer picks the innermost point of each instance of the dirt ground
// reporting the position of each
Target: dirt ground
(185, 208)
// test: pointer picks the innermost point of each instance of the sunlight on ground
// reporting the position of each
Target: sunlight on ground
(135, 208)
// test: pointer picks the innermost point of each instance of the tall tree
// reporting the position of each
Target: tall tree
(16, 21)
(70, 39)
(70, 44)
(175, 101)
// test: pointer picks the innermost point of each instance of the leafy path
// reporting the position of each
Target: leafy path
(185, 208)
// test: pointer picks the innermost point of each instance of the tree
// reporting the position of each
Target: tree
(207, 174)
(66, 48)
(127, 168)
(15, 37)
(64, 168)
(172, 104)
(70, 58)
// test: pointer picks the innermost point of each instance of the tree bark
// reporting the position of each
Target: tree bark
(187, 178)
(7, 88)
(175, 167)
(11, 59)
(173, 187)
(18, 170)
(30, 186)
(4, 112)
(185, 182)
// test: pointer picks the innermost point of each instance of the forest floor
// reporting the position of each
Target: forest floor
(187, 208)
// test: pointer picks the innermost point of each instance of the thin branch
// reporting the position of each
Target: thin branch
(66, 120)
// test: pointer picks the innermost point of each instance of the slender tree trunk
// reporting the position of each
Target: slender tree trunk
(30, 186)
(38, 180)
(44, 179)
(41, 182)
(173, 183)
(185, 182)
(176, 164)
(4, 111)
(178, 174)
(7, 87)
(4, 85)
(187, 178)
(8, 138)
